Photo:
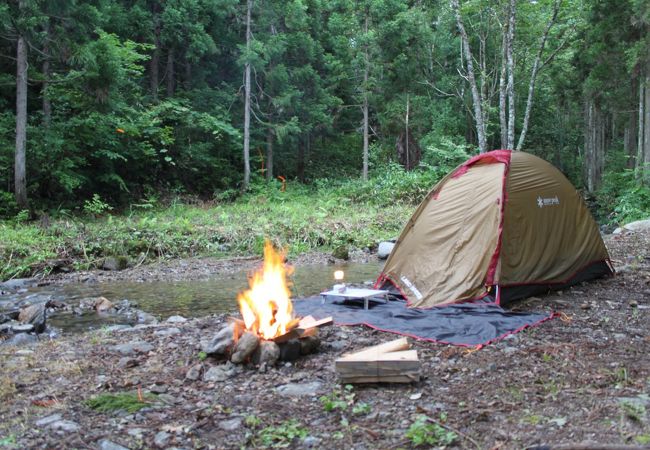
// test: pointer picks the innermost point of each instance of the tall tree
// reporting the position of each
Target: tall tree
(247, 97)
(20, 183)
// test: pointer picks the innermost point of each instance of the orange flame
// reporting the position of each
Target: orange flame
(266, 306)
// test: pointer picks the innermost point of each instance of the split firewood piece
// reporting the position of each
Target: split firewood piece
(386, 347)
(389, 362)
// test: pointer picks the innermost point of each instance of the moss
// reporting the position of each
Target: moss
(124, 401)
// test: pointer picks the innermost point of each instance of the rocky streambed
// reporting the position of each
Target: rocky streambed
(581, 378)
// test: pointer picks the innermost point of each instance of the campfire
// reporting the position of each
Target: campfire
(269, 330)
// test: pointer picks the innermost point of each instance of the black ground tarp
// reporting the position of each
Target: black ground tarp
(467, 325)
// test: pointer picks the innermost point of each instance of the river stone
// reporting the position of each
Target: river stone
(18, 283)
(220, 342)
(167, 332)
(34, 314)
(45, 421)
(105, 444)
(244, 347)
(161, 439)
(133, 347)
(102, 304)
(267, 353)
(221, 373)
(231, 424)
(115, 263)
(194, 372)
(22, 339)
(299, 389)
(22, 328)
(384, 249)
(65, 425)
(145, 317)
(309, 344)
(639, 225)
(176, 319)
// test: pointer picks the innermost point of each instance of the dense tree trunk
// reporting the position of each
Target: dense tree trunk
(640, 155)
(154, 76)
(270, 134)
(409, 153)
(20, 183)
(247, 100)
(170, 74)
(366, 119)
(594, 144)
(476, 98)
(510, 88)
(47, 104)
(646, 128)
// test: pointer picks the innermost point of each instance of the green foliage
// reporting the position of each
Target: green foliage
(338, 399)
(202, 356)
(96, 206)
(622, 199)
(124, 401)
(422, 432)
(282, 435)
(8, 206)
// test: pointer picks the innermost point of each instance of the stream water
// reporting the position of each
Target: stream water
(185, 298)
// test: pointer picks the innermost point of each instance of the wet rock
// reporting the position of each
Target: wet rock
(176, 319)
(102, 304)
(309, 345)
(35, 315)
(222, 342)
(244, 347)
(231, 424)
(162, 439)
(115, 263)
(299, 389)
(133, 347)
(18, 283)
(194, 372)
(117, 328)
(105, 444)
(290, 350)
(384, 249)
(221, 373)
(145, 317)
(267, 353)
(341, 252)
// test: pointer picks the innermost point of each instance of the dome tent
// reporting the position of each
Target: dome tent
(504, 222)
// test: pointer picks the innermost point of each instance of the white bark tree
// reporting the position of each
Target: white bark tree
(247, 98)
(20, 183)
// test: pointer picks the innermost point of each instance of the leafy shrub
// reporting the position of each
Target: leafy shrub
(422, 432)
(8, 206)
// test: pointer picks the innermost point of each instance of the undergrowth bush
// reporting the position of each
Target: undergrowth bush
(621, 199)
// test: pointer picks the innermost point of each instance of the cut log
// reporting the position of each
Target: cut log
(386, 363)
(386, 347)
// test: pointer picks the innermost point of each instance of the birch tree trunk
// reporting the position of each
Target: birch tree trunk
(646, 128)
(269, 153)
(247, 101)
(20, 184)
(511, 74)
(476, 98)
(365, 103)
(47, 104)
(503, 122)
(640, 155)
(533, 76)
(154, 76)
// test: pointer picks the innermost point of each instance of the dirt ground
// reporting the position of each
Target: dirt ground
(582, 378)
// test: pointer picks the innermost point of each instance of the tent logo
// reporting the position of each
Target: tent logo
(410, 285)
(541, 202)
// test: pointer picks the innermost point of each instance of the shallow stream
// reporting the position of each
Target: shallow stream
(186, 298)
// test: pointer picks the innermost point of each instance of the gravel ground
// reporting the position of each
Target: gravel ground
(584, 377)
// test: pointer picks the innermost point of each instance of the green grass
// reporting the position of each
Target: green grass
(301, 219)
(124, 401)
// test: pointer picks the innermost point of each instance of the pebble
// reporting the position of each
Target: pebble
(65, 425)
(161, 439)
(231, 424)
(136, 432)
(133, 347)
(126, 362)
(299, 389)
(221, 373)
(167, 332)
(194, 372)
(311, 442)
(47, 420)
(105, 444)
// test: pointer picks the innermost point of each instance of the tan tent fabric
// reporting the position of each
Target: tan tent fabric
(548, 233)
(445, 250)
(463, 239)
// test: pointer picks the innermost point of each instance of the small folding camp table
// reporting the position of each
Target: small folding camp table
(356, 294)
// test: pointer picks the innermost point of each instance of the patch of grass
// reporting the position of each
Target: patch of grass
(635, 411)
(8, 441)
(7, 388)
(338, 399)
(642, 439)
(124, 401)
(282, 435)
(422, 432)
